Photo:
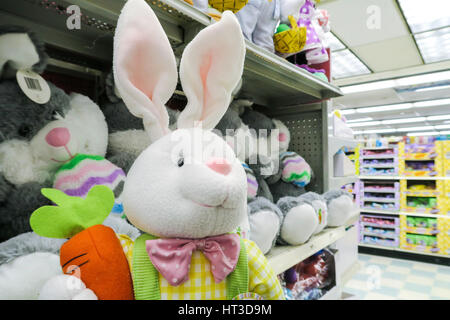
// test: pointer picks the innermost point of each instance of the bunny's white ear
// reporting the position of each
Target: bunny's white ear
(210, 68)
(145, 70)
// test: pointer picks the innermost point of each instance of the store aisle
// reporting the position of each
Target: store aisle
(381, 278)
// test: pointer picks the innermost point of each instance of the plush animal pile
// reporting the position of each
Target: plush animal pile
(160, 180)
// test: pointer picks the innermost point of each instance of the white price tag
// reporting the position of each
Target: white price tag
(33, 86)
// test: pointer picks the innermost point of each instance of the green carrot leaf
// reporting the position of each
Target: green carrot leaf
(71, 215)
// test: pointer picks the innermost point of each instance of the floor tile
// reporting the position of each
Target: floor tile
(442, 277)
(441, 292)
(444, 270)
(442, 284)
(400, 263)
(394, 275)
(378, 296)
(395, 269)
(423, 273)
(412, 295)
(425, 267)
(392, 283)
(420, 288)
(426, 281)
(393, 292)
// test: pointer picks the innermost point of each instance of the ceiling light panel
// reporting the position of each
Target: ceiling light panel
(364, 124)
(346, 64)
(438, 118)
(434, 45)
(360, 120)
(442, 126)
(405, 120)
(414, 134)
(380, 131)
(431, 103)
(391, 107)
(347, 111)
(426, 15)
(409, 129)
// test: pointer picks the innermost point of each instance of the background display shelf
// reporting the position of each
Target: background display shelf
(408, 250)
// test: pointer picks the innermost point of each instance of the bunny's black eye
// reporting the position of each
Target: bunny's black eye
(180, 161)
(24, 130)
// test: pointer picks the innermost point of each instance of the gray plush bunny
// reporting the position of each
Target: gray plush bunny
(36, 139)
(340, 205)
(126, 132)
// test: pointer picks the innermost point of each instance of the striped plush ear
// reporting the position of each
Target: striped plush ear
(210, 69)
(145, 70)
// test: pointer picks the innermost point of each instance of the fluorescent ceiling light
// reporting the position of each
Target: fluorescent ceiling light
(391, 107)
(358, 132)
(437, 118)
(422, 16)
(431, 103)
(423, 78)
(442, 126)
(434, 133)
(347, 111)
(346, 64)
(360, 120)
(364, 124)
(411, 80)
(380, 131)
(434, 45)
(405, 120)
(433, 88)
(409, 129)
(377, 85)
(444, 132)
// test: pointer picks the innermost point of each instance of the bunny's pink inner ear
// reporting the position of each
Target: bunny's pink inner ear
(210, 69)
(145, 71)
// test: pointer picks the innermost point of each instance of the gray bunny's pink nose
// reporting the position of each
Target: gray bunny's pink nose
(219, 165)
(58, 137)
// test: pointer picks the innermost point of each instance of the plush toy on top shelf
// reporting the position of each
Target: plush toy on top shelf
(214, 8)
(259, 19)
(41, 129)
(187, 190)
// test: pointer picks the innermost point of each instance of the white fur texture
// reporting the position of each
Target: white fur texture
(299, 224)
(65, 287)
(264, 228)
(24, 161)
(129, 141)
(339, 211)
(321, 208)
(18, 50)
(24, 277)
(191, 201)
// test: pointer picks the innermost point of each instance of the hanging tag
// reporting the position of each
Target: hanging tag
(33, 86)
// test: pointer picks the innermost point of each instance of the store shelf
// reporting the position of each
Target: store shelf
(336, 143)
(284, 83)
(282, 258)
(404, 213)
(338, 182)
(383, 156)
(377, 165)
(401, 178)
(403, 250)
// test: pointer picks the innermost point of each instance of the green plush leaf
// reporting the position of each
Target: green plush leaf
(72, 214)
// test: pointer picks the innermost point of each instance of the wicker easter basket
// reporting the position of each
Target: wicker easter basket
(232, 5)
(290, 41)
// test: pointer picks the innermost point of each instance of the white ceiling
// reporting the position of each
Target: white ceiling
(400, 45)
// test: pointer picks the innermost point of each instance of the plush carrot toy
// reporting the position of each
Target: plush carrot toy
(93, 252)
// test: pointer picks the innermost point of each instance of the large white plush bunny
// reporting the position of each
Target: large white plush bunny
(187, 190)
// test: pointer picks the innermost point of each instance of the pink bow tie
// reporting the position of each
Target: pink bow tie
(172, 257)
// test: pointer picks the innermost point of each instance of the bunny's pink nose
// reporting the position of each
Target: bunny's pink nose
(58, 137)
(219, 165)
(282, 137)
